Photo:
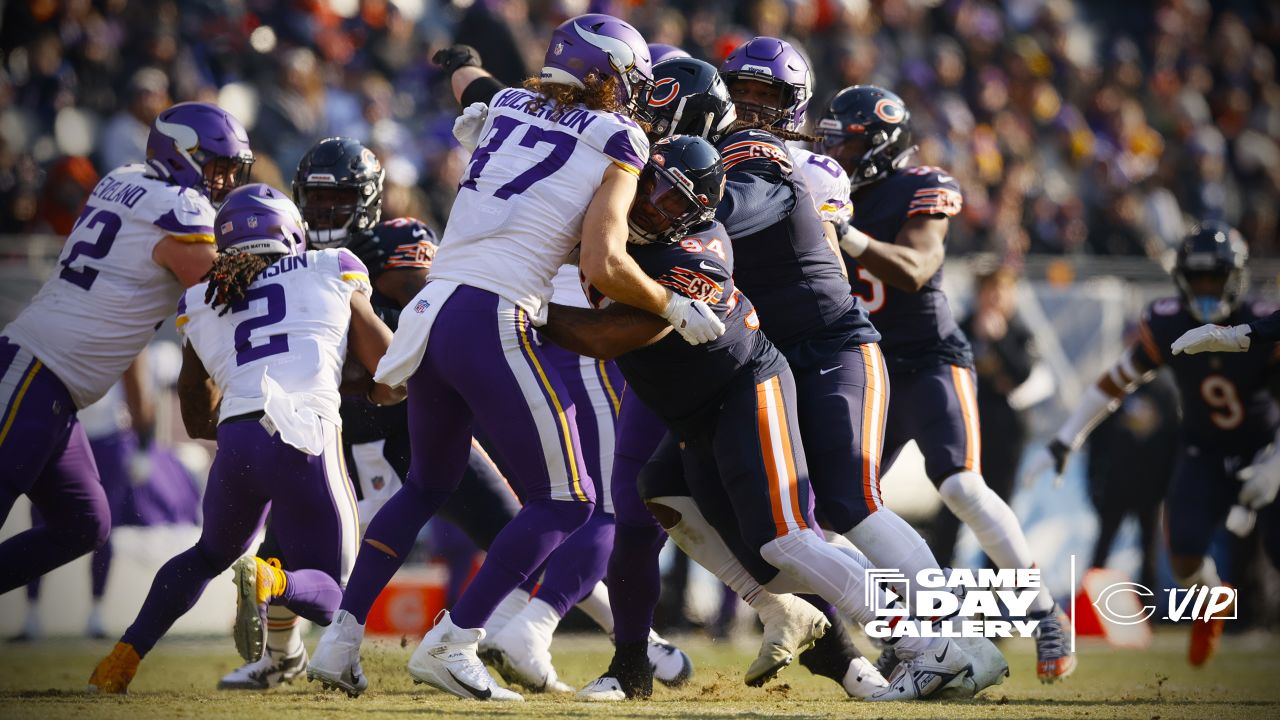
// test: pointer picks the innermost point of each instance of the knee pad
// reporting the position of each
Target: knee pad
(964, 493)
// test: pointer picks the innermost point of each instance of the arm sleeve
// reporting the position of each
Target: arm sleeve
(1265, 329)
(627, 149)
(751, 204)
(481, 90)
(181, 321)
(187, 219)
(352, 271)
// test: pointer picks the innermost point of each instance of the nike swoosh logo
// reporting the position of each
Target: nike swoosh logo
(945, 178)
(705, 266)
(941, 656)
(477, 694)
(824, 372)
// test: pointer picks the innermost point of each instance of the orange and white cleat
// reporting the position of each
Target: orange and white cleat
(1054, 659)
(1205, 635)
(116, 671)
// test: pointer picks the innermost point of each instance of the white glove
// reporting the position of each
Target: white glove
(1240, 520)
(1261, 480)
(852, 240)
(693, 319)
(1213, 338)
(468, 125)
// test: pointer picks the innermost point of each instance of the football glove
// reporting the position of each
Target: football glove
(1261, 480)
(456, 56)
(1213, 338)
(693, 319)
(1052, 457)
(469, 124)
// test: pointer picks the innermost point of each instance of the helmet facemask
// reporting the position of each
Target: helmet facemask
(1211, 296)
(665, 207)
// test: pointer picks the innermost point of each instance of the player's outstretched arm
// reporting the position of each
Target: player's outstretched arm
(369, 340)
(1099, 401)
(909, 262)
(609, 268)
(189, 261)
(603, 334)
(1214, 338)
(198, 397)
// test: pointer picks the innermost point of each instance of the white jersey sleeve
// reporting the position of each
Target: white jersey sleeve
(291, 325)
(522, 198)
(828, 183)
(107, 295)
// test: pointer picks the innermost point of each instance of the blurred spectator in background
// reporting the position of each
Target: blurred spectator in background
(1131, 458)
(1005, 360)
(1087, 127)
(124, 137)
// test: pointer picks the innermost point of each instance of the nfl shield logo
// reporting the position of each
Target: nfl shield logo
(253, 221)
(559, 48)
(421, 307)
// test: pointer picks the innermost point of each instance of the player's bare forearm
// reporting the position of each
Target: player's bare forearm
(833, 240)
(401, 285)
(914, 256)
(603, 334)
(198, 397)
(369, 336)
(387, 395)
(604, 260)
(137, 397)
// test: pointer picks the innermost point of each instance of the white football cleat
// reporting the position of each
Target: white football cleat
(268, 672)
(862, 680)
(671, 666)
(521, 651)
(337, 659)
(940, 671)
(989, 666)
(602, 689)
(790, 626)
(446, 660)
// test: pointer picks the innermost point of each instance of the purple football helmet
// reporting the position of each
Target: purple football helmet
(261, 220)
(777, 63)
(202, 146)
(605, 46)
(661, 51)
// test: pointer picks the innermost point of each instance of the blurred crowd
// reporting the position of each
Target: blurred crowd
(1090, 127)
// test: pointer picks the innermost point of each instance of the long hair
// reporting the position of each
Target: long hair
(777, 132)
(594, 95)
(231, 275)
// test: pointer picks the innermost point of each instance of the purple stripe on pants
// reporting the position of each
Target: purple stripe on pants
(45, 455)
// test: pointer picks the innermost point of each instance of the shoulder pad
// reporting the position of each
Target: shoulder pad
(408, 241)
(755, 151)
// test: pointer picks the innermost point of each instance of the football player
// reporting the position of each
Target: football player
(144, 235)
(267, 335)
(1230, 417)
(894, 247)
(558, 167)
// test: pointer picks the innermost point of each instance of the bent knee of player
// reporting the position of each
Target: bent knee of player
(963, 490)
(668, 517)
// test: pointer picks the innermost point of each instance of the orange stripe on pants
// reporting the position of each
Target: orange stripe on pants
(874, 406)
(766, 453)
(969, 410)
(780, 410)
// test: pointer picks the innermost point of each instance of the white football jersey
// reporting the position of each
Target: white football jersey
(108, 296)
(291, 325)
(828, 183)
(520, 204)
(567, 288)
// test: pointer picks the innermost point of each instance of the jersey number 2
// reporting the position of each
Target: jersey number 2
(108, 224)
(562, 145)
(1220, 394)
(246, 351)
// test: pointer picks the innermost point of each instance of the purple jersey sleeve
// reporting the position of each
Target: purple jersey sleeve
(627, 149)
(353, 271)
(188, 220)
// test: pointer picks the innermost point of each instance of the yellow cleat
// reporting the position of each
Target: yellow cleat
(116, 671)
(257, 582)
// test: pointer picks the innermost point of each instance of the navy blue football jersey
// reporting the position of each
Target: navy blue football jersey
(785, 263)
(684, 384)
(1227, 405)
(408, 244)
(918, 327)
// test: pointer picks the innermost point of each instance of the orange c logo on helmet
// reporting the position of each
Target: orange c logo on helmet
(672, 92)
(890, 111)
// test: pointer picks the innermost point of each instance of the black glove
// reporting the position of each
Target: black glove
(372, 253)
(456, 56)
(1060, 452)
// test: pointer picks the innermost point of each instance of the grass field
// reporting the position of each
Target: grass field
(45, 680)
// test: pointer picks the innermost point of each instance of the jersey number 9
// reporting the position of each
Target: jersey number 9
(1220, 394)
